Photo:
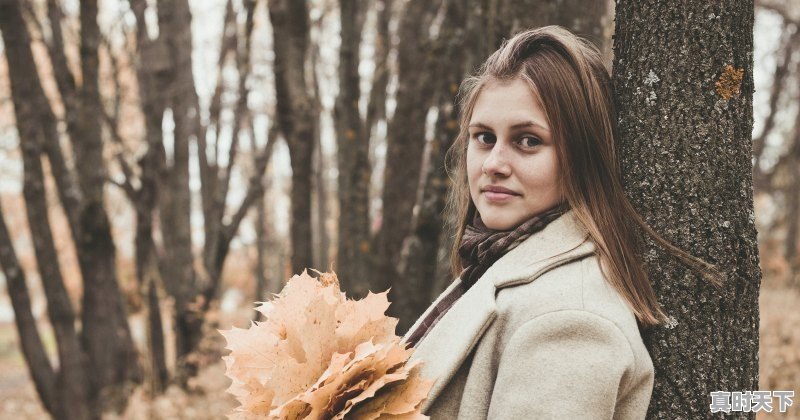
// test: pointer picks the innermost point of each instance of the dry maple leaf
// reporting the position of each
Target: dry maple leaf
(320, 355)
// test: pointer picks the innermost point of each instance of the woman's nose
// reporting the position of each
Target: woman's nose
(496, 163)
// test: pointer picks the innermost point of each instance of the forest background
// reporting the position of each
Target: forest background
(134, 246)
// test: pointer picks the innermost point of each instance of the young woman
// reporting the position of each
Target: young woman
(543, 320)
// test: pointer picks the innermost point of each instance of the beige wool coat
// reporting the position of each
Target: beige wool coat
(540, 335)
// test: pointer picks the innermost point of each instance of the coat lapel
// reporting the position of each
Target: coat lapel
(450, 341)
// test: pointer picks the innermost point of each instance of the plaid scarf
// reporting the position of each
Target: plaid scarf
(480, 248)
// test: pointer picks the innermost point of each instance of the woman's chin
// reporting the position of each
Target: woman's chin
(499, 223)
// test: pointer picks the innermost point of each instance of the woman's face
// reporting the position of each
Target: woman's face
(511, 147)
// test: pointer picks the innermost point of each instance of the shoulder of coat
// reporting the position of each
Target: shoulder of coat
(575, 285)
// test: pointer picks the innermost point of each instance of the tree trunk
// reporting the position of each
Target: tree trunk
(39, 367)
(786, 49)
(105, 332)
(297, 116)
(321, 212)
(181, 280)
(71, 394)
(352, 261)
(405, 139)
(583, 17)
(792, 211)
(69, 192)
(212, 198)
(319, 186)
(419, 258)
(151, 78)
(261, 251)
(684, 133)
(376, 108)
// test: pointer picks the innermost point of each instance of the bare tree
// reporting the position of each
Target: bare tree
(97, 366)
(166, 82)
(297, 115)
(684, 88)
(352, 157)
(405, 140)
(65, 391)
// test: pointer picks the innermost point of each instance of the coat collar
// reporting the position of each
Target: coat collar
(446, 346)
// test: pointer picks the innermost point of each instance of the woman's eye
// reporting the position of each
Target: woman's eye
(530, 141)
(484, 138)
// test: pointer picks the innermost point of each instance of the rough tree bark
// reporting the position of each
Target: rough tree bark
(685, 129)
(297, 116)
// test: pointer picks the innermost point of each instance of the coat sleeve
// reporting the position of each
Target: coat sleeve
(563, 364)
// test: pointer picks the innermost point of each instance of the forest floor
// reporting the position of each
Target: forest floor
(779, 355)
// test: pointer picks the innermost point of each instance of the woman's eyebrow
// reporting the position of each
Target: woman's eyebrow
(524, 124)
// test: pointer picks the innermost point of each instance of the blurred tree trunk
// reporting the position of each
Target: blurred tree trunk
(320, 211)
(264, 235)
(376, 108)
(105, 348)
(792, 194)
(221, 233)
(297, 116)
(181, 279)
(583, 17)
(66, 392)
(352, 262)
(686, 158)
(166, 80)
(419, 257)
(105, 332)
(151, 81)
(788, 44)
(320, 189)
(405, 141)
(39, 366)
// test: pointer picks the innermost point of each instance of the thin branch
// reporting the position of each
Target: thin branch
(244, 68)
(113, 128)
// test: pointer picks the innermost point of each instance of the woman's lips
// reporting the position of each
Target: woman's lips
(498, 196)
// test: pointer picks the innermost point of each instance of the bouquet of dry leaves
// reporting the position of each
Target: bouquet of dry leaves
(320, 355)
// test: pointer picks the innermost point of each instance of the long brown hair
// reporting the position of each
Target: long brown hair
(567, 76)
